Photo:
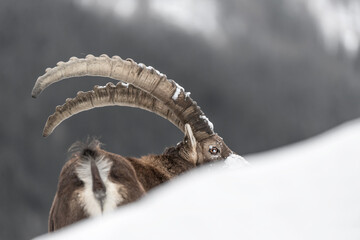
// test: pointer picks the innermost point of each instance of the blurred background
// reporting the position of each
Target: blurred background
(267, 73)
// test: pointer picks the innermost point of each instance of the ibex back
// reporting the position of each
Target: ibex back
(94, 181)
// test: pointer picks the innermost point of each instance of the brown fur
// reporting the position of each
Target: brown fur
(68, 202)
(136, 175)
(133, 176)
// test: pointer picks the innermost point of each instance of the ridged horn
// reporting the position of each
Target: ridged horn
(110, 95)
(145, 78)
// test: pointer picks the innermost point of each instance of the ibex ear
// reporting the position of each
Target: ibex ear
(190, 137)
(190, 143)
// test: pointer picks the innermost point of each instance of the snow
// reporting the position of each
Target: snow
(177, 91)
(124, 84)
(199, 18)
(124, 9)
(235, 161)
(150, 68)
(309, 190)
(339, 22)
(157, 71)
(211, 125)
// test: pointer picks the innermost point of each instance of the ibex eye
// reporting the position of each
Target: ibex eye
(214, 150)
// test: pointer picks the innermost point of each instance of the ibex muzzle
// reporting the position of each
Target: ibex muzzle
(94, 181)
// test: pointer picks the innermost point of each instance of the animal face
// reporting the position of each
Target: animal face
(212, 149)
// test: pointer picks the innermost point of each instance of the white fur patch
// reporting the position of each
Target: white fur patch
(90, 204)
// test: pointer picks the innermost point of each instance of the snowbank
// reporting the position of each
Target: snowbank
(309, 190)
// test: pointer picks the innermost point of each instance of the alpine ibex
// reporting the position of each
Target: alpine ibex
(94, 181)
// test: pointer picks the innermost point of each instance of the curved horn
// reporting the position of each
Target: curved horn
(145, 78)
(110, 95)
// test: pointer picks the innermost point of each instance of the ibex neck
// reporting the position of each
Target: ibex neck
(153, 170)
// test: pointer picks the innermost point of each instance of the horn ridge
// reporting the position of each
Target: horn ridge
(109, 95)
(145, 78)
